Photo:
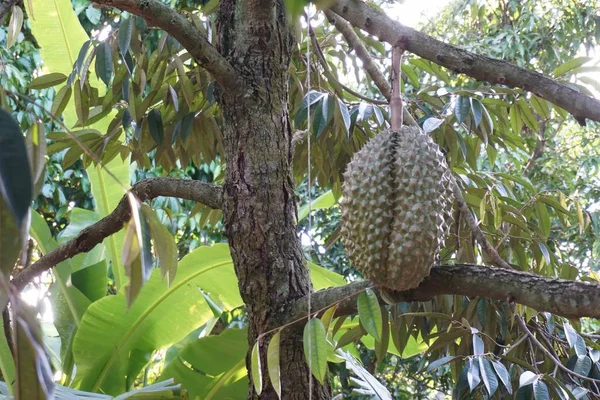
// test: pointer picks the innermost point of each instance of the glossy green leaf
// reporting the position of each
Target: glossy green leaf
(82, 105)
(570, 65)
(473, 376)
(477, 110)
(34, 378)
(439, 362)
(368, 383)
(369, 313)
(273, 363)
(527, 378)
(431, 124)
(125, 33)
(503, 374)
(7, 362)
(461, 108)
(540, 391)
(16, 185)
(14, 26)
(478, 346)
(488, 375)
(61, 100)
(323, 202)
(164, 244)
(48, 80)
(137, 252)
(10, 239)
(315, 348)
(256, 368)
(345, 115)
(155, 124)
(104, 62)
(109, 333)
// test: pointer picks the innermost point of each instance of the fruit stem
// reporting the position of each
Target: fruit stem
(396, 100)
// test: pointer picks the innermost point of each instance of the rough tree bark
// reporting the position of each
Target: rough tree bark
(259, 206)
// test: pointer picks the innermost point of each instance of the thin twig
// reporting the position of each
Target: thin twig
(477, 232)
(549, 354)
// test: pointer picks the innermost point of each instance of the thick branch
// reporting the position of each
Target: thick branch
(558, 296)
(157, 14)
(481, 68)
(91, 236)
(363, 54)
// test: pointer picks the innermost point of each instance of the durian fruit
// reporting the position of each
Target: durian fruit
(396, 206)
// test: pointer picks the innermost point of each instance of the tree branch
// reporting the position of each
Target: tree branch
(479, 67)
(164, 17)
(557, 296)
(91, 236)
(363, 54)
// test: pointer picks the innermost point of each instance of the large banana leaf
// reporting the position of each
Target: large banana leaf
(113, 343)
(213, 367)
(60, 36)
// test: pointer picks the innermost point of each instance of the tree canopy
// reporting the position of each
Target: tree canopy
(171, 177)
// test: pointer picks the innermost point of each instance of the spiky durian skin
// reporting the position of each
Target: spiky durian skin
(396, 206)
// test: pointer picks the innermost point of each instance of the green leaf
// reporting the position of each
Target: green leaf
(540, 391)
(516, 122)
(345, 115)
(478, 346)
(315, 348)
(10, 239)
(16, 186)
(571, 334)
(82, 105)
(583, 365)
(155, 124)
(109, 333)
(553, 202)
(47, 81)
(35, 142)
(256, 368)
(107, 194)
(527, 378)
(527, 115)
(431, 124)
(164, 244)
(543, 219)
(104, 62)
(473, 376)
(273, 363)
(439, 362)
(570, 65)
(477, 110)
(323, 202)
(461, 108)
(125, 33)
(61, 100)
(213, 367)
(369, 385)
(488, 375)
(369, 313)
(14, 26)
(34, 378)
(7, 362)
(323, 278)
(503, 374)
(137, 255)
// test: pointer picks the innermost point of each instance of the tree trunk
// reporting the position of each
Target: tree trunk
(258, 199)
